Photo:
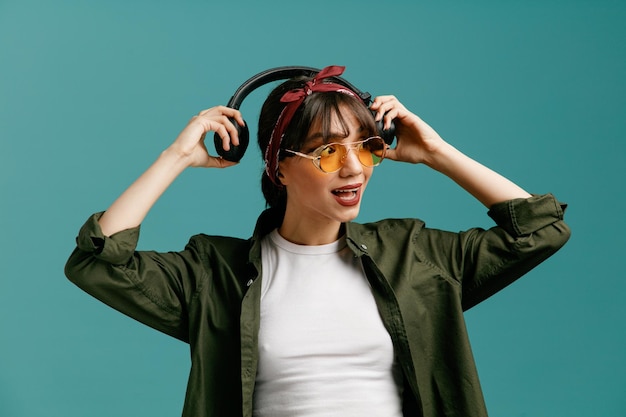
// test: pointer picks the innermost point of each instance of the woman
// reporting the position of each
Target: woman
(315, 314)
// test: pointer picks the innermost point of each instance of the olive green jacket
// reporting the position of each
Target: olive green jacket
(422, 279)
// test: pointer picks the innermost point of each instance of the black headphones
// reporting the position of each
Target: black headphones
(274, 74)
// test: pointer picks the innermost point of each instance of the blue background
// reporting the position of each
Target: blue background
(92, 92)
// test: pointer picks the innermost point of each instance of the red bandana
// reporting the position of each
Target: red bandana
(294, 99)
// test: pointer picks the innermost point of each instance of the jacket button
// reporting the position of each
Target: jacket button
(363, 246)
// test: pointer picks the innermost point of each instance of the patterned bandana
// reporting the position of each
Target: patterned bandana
(294, 99)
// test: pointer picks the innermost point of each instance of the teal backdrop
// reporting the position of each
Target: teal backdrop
(92, 91)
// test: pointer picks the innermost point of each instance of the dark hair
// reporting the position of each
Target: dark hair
(320, 106)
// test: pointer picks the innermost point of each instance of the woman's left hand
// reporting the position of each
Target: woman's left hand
(416, 140)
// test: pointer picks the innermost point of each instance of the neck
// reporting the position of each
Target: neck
(302, 231)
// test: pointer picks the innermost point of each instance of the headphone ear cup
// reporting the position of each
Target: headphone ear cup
(236, 152)
(387, 134)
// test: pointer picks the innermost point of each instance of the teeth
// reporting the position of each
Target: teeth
(346, 194)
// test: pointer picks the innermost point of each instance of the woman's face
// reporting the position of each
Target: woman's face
(320, 198)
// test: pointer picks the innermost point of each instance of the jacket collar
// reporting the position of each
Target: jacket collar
(357, 235)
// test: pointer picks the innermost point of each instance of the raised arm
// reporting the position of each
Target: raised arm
(419, 143)
(188, 150)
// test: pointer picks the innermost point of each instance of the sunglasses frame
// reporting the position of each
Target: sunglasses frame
(316, 157)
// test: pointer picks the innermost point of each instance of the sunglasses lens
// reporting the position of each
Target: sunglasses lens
(372, 151)
(331, 157)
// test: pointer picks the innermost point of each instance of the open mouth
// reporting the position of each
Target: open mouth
(348, 195)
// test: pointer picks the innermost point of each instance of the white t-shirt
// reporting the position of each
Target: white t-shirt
(323, 349)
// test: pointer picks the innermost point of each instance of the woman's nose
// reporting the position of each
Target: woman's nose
(351, 164)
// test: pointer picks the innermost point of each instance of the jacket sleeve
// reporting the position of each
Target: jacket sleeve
(153, 288)
(528, 231)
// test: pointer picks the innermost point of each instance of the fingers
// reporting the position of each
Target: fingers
(221, 120)
(190, 143)
(387, 108)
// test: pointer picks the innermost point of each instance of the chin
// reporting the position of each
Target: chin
(350, 215)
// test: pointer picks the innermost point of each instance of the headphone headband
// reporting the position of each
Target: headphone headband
(284, 73)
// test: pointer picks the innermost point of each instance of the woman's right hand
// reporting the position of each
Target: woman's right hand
(190, 142)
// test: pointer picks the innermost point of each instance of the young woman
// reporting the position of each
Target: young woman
(316, 315)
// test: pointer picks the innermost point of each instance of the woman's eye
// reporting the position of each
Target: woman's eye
(327, 151)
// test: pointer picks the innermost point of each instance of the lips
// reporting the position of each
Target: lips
(349, 195)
